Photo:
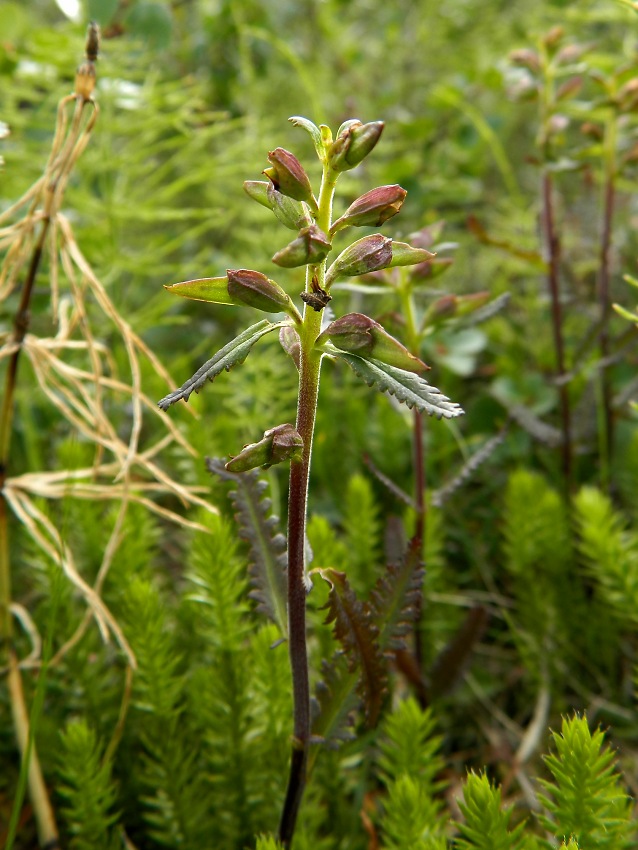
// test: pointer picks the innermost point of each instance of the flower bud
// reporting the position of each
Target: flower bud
(310, 246)
(365, 255)
(359, 334)
(373, 208)
(288, 176)
(277, 445)
(569, 88)
(256, 290)
(353, 143)
(553, 38)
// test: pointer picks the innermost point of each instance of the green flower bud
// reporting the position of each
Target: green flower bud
(353, 143)
(361, 335)
(310, 246)
(406, 255)
(366, 255)
(288, 176)
(373, 208)
(256, 290)
(277, 445)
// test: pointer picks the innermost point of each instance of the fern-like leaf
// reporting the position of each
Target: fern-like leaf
(585, 799)
(268, 562)
(395, 598)
(355, 629)
(408, 387)
(230, 355)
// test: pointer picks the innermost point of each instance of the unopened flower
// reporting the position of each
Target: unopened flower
(365, 255)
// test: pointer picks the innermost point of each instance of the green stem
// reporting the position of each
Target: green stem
(309, 374)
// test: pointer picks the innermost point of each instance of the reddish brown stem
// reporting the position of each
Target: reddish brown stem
(297, 504)
(552, 250)
(604, 303)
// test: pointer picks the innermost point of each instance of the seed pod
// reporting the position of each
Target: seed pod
(256, 290)
(311, 246)
(361, 335)
(373, 208)
(365, 255)
(353, 143)
(288, 176)
(277, 445)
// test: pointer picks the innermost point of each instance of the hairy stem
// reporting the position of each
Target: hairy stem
(309, 373)
(552, 252)
(420, 480)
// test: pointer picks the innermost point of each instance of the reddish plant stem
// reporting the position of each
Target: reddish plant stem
(420, 484)
(604, 304)
(310, 365)
(552, 249)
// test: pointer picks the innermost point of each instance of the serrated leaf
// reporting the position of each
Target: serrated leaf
(268, 559)
(230, 355)
(315, 133)
(452, 660)
(396, 597)
(334, 703)
(356, 631)
(408, 387)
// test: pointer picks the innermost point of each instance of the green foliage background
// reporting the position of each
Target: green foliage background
(192, 96)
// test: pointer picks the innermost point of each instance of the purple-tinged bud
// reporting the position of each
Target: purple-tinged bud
(292, 214)
(353, 143)
(526, 58)
(365, 255)
(291, 344)
(454, 305)
(359, 334)
(373, 208)
(288, 176)
(593, 131)
(258, 191)
(311, 246)
(256, 290)
(277, 445)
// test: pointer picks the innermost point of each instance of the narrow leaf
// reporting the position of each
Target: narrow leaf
(212, 289)
(268, 560)
(315, 132)
(452, 660)
(409, 388)
(230, 355)
(358, 634)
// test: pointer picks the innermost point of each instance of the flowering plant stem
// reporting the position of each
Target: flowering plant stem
(309, 373)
